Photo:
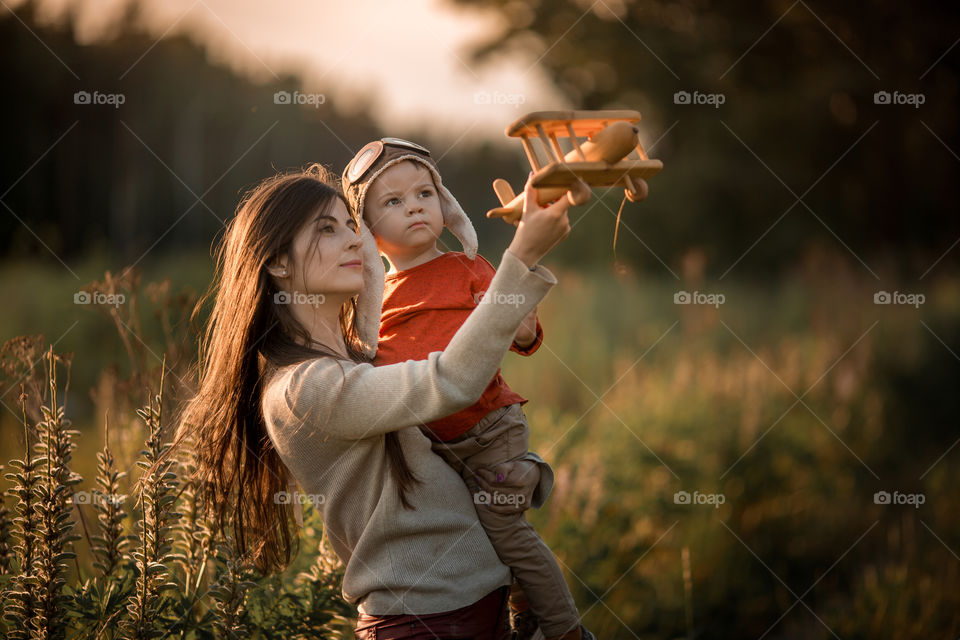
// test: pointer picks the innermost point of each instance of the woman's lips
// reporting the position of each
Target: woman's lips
(352, 263)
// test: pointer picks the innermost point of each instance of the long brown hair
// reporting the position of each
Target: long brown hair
(246, 339)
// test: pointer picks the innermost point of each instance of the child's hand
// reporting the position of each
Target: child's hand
(527, 332)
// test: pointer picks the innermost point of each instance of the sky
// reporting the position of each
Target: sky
(410, 58)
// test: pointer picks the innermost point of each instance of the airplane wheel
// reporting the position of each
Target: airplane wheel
(640, 192)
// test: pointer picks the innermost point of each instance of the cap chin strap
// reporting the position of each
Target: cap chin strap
(455, 219)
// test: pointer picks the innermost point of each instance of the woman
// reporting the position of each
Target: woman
(287, 394)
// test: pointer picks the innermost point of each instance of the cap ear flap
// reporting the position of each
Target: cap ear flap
(455, 219)
(370, 300)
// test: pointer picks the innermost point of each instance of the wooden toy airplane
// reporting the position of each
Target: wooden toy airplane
(601, 161)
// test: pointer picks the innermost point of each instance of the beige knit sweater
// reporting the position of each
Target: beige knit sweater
(327, 419)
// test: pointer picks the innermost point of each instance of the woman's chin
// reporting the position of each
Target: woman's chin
(356, 286)
(346, 286)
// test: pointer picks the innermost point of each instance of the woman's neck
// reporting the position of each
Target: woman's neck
(322, 323)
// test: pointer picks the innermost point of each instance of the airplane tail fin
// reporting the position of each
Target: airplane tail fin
(503, 190)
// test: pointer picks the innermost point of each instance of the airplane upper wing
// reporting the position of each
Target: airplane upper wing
(559, 123)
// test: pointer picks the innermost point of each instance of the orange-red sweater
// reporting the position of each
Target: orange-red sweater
(422, 308)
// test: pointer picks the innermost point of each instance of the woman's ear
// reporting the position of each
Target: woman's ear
(278, 267)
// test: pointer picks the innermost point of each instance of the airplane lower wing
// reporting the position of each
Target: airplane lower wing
(595, 174)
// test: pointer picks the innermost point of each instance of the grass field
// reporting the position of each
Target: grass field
(780, 413)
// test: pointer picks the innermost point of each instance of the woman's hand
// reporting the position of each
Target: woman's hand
(540, 229)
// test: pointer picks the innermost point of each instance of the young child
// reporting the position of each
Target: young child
(394, 186)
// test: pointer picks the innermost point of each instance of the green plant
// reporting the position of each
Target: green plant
(172, 576)
(19, 602)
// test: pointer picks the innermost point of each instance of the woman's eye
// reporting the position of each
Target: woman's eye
(326, 229)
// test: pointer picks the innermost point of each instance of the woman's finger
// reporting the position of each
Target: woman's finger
(530, 202)
(559, 208)
(541, 228)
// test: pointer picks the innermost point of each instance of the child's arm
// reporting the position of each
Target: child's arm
(529, 335)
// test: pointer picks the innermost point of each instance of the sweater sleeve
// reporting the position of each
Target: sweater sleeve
(354, 401)
(484, 274)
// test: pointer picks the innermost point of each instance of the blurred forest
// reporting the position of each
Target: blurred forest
(799, 198)
(165, 169)
(798, 120)
(877, 181)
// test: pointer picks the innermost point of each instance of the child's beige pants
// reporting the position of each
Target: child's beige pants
(513, 480)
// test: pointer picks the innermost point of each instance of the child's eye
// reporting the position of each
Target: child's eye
(426, 193)
(392, 201)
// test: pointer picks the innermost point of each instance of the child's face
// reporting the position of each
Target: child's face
(402, 209)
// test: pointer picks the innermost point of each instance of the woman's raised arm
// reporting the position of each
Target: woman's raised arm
(354, 401)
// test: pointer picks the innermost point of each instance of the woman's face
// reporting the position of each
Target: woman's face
(324, 256)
